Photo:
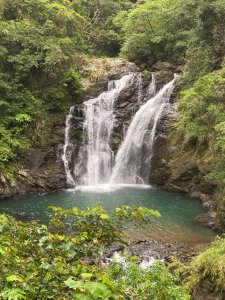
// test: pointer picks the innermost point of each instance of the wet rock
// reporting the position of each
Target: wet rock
(3, 179)
(123, 105)
(208, 205)
(163, 250)
(179, 69)
(34, 158)
(23, 173)
(207, 219)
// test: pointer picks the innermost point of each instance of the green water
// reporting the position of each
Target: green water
(178, 211)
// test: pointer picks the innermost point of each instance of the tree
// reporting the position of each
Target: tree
(155, 30)
(206, 48)
(40, 42)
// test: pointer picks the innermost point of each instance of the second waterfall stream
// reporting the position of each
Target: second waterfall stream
(131, 164)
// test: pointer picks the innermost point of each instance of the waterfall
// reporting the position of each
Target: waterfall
(152, 88)
(132, 164)
(66, 157)
(99, 123)
(91, 159)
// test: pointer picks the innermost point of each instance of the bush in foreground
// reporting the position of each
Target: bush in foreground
(61, 260)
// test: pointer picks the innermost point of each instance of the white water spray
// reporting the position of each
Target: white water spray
(130, 165)
(99, 123)
(66, 151)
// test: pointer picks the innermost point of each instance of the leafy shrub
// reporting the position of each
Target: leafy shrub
(202, 106)
(154, 282)
(56, 261)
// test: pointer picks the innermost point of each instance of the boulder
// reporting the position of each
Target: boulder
(163, 66)
(207, 219)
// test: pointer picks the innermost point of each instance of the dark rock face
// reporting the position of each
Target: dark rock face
(28, 181)
(177, 166)
(166, 66)
(41, 170)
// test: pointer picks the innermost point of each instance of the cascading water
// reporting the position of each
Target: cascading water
(140, 88)
(66, 157)
(152, 88)
(92, 162)
(130, 166)
(99, 123)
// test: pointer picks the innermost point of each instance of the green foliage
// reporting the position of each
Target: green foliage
(208, 267)
(203, 117)
(203, 107)
(73, 85)
(206, 48)
(40, 41)
(200, 60)
(59, 260)
(179, 31)
(103, 229)
(202, 103)
(154, 282)
(155, 30)
(11, 144)
(103, 37)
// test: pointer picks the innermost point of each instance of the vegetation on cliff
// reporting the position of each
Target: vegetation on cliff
(203, 118)
(205, 274)
(40, 42)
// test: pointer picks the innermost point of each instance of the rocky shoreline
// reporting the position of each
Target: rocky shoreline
(160, 250)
